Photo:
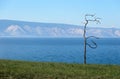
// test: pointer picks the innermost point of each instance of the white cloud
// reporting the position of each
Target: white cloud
(14, 30)
(97, 32)
(77, 31)
(38, 30)
(117, 32)
(28, 28)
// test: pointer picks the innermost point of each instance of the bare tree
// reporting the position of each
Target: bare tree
(89, 18)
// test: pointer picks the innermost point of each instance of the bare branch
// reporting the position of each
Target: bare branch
(97, 19)
(94, 46)
(92, 17)
(92, 37)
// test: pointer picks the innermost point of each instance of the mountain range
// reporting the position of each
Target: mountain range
(13, 28)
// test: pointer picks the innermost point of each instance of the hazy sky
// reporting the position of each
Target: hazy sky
(62, 11)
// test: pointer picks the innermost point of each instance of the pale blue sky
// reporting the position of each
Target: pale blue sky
(61, 11)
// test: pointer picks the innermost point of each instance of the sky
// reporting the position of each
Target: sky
(62, 11)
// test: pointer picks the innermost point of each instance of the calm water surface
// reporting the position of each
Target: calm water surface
(68, 50)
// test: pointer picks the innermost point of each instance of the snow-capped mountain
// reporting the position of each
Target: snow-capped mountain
(27, 29)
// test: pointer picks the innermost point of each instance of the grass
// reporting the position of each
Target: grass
(45, 70)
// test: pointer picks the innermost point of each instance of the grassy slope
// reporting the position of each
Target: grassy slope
(34, 70)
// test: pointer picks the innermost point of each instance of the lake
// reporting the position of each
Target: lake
(69, 50)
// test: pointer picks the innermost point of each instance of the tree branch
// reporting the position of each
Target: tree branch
(92, 37)
(92, 18)
(94, 46)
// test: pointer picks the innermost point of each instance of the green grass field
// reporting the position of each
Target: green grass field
(45, 70)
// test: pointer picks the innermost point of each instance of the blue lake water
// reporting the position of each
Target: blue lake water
(69, 50)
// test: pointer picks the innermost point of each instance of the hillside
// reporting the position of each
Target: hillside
(35, 29)
(43, 70)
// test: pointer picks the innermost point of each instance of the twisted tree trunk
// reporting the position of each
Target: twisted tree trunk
(85, 42)
(89, 18)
